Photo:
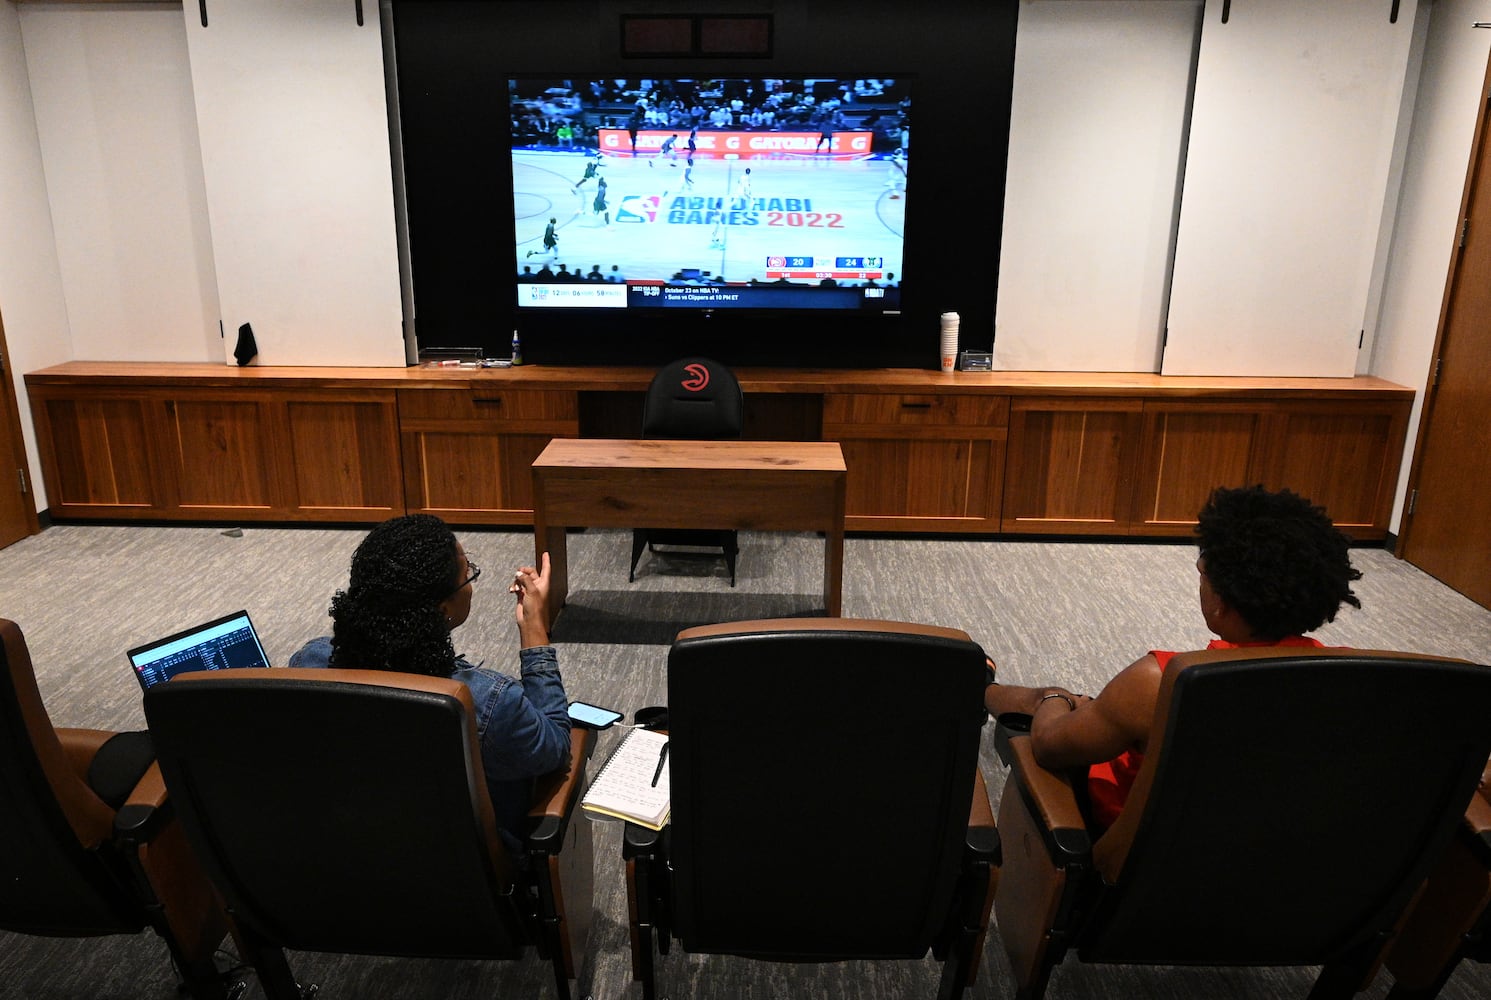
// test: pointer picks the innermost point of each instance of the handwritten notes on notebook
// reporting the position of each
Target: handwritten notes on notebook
(624, 787)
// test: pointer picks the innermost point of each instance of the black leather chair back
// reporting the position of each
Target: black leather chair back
(340, 811)
(1292, 806)
(51, 882)
(693, 398)
(822, 772)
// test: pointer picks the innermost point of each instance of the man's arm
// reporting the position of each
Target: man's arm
(1100, 728)
(1072, 730)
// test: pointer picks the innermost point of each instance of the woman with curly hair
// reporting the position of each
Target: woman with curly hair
(1272, 567)
(410, 586)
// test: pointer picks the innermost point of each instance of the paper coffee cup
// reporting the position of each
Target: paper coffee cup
(949, 344)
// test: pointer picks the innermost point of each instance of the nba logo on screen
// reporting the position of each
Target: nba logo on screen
(638, 208)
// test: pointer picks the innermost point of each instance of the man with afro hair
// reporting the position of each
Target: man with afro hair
(1272, 568)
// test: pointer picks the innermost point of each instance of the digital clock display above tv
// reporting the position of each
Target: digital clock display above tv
(710, 194)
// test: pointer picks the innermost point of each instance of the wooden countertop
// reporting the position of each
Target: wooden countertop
(759, 380)
(694, 456)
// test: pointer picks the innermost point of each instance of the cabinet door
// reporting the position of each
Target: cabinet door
(342, 462)
(1344, 458)
(218, 447)
(298, 177)
(920, 463)
(1071, 465)
(1189, 450)
(468, 454)
(1292, 136)
(97, 453)
(1341, 455)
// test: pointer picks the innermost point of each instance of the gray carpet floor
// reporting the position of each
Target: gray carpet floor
(1049, 612)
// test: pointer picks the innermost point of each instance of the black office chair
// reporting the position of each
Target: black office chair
(692, 399)
(1289, 806)
(830, 809)
(346, 811)
(74, 865)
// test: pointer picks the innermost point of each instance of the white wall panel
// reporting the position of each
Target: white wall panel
(31, 298)
(112, 91)
(294, 134)
(1292, 135)
(1096, 138)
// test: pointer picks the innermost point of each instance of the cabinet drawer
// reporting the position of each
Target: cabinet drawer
(916, 410)
(488, 403)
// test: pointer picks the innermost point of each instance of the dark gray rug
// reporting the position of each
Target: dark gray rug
(1069, 613)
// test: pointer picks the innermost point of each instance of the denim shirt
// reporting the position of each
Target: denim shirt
(523, 726)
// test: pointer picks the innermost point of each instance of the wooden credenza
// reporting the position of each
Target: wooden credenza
(963, 453)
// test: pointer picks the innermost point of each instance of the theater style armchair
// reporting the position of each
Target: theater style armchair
(826, 799)
(1451, 919)
(346, 811)
(1289, 806)
(75, 865)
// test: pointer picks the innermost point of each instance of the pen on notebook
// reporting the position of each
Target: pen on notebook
(662, 758)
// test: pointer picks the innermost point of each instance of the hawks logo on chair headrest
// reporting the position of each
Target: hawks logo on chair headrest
(698, 377)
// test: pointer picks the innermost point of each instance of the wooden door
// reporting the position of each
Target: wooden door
(1447, 525)
(17, 506)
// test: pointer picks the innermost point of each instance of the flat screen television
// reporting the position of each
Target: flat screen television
(677, 193)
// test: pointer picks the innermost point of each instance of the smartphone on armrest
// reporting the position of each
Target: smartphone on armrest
(592, 716)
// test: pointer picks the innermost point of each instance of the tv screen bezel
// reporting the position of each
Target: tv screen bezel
(453, 58)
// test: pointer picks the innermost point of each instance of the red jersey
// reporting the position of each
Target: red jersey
(1108, 784)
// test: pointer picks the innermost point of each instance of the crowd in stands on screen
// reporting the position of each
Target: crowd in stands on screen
(572, 119)
(563, 132)
(560, 272)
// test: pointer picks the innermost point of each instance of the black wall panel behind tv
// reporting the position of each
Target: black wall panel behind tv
(488, 90)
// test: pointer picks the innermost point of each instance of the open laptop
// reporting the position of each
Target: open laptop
(221, 644)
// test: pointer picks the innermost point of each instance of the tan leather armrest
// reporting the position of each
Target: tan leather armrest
(1478, 813)
(91, 820)
(980, 813)
(1051, 793)
(555, 793)
(81, 746)
(150, 791)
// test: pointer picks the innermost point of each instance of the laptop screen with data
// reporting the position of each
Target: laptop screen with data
(222, 644)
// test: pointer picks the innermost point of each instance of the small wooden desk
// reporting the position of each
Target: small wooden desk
(746, 485)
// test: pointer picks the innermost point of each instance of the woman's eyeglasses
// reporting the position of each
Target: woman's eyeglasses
(473, 571)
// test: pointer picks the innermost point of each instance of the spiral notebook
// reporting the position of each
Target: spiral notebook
(624, 787)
